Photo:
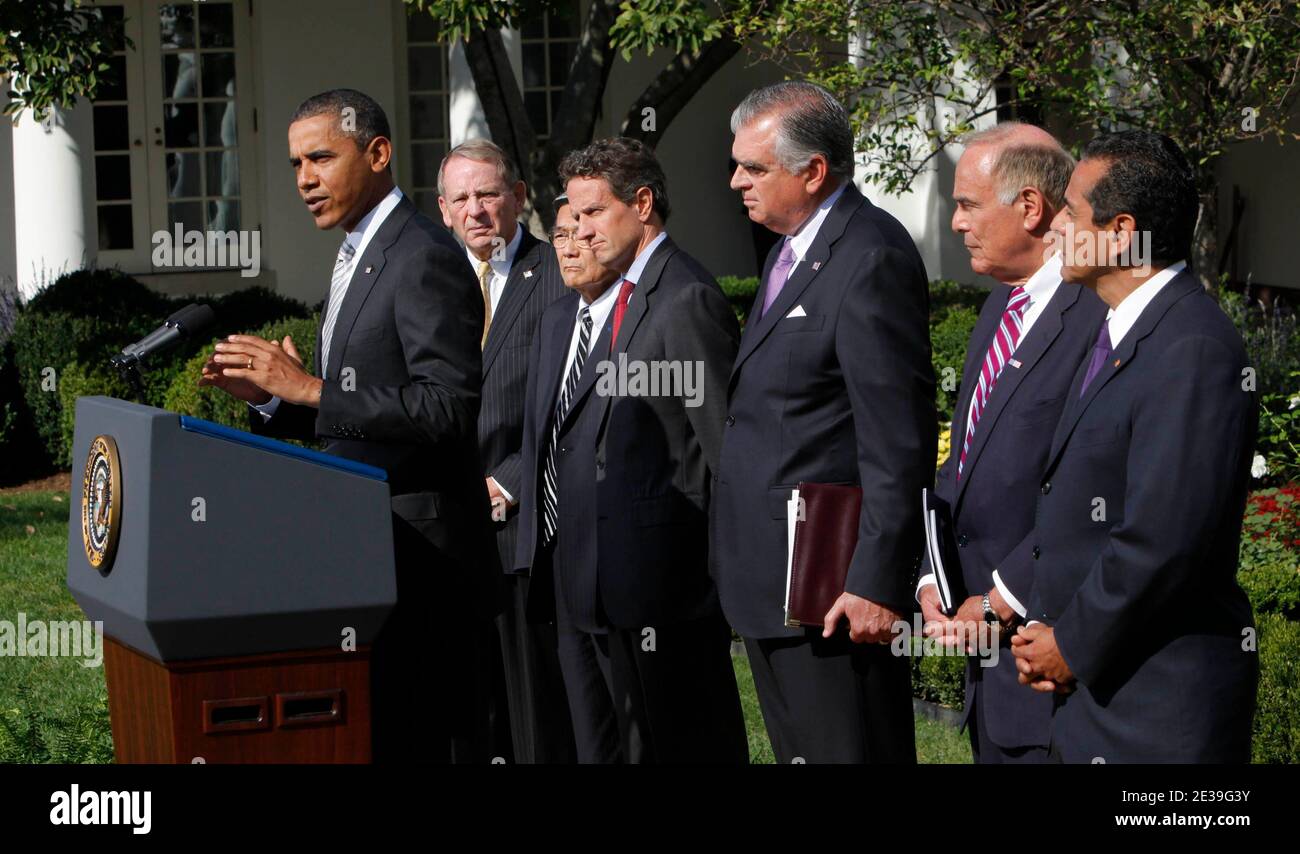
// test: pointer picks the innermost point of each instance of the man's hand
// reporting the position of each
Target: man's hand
(966, 628)
(868, 622)
(500, 504)
(214, 375)
(273, 367)
(1039, 660)
(930, 611)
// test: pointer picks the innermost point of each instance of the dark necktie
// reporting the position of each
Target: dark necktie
(1100, 353)
(550, 491)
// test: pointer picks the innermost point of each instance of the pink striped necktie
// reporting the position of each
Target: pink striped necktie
(1004, 344)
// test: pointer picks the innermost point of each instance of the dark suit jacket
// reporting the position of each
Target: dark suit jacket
(993, 502)
(409, 328)
(844, 394)
(633, 471)
(533, 284)
(1142, 589)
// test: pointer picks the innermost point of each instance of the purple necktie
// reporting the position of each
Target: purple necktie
(776, 278)
(1100, 353)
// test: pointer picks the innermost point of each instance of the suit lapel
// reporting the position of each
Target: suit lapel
(816, 258)
(364, 275)
(1180, 286)
(519, 286)
(555, 346)
(1045, 331)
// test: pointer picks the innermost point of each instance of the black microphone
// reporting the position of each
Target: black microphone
(190, 320)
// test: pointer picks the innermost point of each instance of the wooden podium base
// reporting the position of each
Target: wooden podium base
(307, 706)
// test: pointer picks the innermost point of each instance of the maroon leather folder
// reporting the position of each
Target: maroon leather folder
(825, 535)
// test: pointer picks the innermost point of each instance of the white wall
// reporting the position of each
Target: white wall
(1268, 176)
(8, 258)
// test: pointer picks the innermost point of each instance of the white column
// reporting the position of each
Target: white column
(49, 199)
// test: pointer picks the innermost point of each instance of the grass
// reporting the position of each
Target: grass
(53, 709)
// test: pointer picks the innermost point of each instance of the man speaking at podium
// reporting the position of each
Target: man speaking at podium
(395, 385)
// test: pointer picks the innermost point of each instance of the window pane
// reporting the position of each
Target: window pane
(111, 130)
(113, 177)
(419, 27)
(563, 24)
(182, 175)
(113, 85)
(181, 125)
(223, 173)
(533, 29)
(223, 215)
(425, 67)
(219, 124)
(556, 94)
(115, 227)
(534, 65)
(218, 75)
(428, 203)
(188, 214)
(177, 23)
(425, 160)
(561, 56)
(216, 26)
(179, 75)
(113, 15)
(426, 117)
(535, 105)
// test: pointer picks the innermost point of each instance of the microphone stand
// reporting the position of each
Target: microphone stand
(129, 370)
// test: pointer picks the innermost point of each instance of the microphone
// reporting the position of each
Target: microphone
(190, 320)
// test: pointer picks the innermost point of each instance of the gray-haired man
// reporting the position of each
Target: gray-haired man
(1032, 334)
(832, 384)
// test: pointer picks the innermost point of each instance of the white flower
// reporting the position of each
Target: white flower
(1294, 402)
(1258, 467)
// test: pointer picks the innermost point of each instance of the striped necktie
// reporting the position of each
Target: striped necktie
(550, 491)
(1004, 344)
(338, 290)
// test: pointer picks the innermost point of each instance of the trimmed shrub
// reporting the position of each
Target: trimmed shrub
(948, 339)
(740, 291)
(1276, 734)
(940, 679)
(80, 380)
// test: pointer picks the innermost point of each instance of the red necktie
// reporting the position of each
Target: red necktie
(620, 309)
(999, 353)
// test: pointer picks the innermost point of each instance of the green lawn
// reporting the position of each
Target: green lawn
(54, 709)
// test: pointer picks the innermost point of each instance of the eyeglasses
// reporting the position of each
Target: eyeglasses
(560, 238)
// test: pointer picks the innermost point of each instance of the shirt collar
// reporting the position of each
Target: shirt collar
(1045, 280)
(1120, 319)
(803, 239)
(360, 236)
(634, 272)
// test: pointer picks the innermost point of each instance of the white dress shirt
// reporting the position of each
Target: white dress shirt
(802, 240)
(360, 238)
(1121, 318)
(500, 268)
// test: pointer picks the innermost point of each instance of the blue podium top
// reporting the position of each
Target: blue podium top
(284, 449)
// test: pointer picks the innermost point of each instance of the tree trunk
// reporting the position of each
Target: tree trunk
(1205, 240)
(673, 88)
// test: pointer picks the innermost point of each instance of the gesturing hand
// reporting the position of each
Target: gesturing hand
(274, 367)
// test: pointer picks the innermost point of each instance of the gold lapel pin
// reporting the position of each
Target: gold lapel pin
(1117, 363)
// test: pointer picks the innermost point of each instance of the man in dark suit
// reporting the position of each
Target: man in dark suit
(625, 414)
(395, 385)
(481, 197)
(833, 384)
(1032, 333)
(1137, 622)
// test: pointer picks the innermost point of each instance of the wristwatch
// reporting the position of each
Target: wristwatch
(991, 616)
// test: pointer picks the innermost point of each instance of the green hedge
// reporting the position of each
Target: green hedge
(63, 338)
(1276, 735)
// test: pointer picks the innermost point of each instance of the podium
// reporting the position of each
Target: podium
(240, 582)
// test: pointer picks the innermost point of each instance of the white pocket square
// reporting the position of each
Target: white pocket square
(797, 311)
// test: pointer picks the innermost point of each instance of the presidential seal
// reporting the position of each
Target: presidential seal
(101, 503)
